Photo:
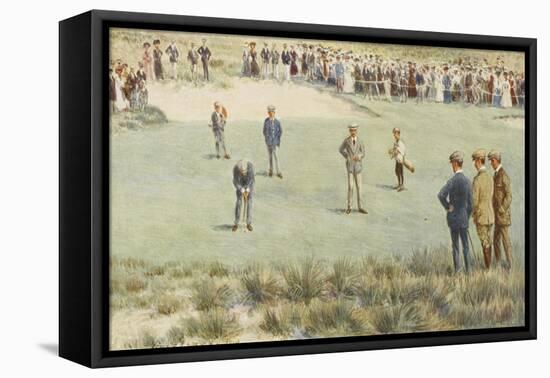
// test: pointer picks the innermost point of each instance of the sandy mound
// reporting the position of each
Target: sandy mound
(247, 100)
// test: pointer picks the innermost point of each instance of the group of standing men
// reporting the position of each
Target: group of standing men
(487, 201)
(152, 61)
(243, 171)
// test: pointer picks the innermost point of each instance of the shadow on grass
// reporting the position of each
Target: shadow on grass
(209, 156)
(341, 211)
(262, 173)
(222, 227)
(385, 187)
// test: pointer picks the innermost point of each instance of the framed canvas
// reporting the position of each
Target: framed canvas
(236, 188)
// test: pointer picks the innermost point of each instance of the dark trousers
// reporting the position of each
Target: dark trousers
(460, 236)
(205, 70)
(399, 173)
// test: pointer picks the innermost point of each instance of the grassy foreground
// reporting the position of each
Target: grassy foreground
(180, 303)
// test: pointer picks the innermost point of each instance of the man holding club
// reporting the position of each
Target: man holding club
(456, 198)
(243, 180)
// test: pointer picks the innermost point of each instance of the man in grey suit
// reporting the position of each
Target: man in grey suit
(243, 180)
(353, 151)
(218, 120)
(456, 198)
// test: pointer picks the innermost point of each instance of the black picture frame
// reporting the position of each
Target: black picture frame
(84, 194)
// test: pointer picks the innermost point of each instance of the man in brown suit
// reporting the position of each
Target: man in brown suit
(482, 198)
(502, 198)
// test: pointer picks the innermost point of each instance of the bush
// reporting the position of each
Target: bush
(334, 318)
(260, 286)
(343, 278)
(282, 321)
(168, 304)
(206, 295)
(176, 336)
(304, 281)
(214, 325)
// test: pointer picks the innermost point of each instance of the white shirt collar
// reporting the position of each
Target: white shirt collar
(459, 171)
(498, 168)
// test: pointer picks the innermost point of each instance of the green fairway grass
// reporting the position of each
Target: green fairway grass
(171, 200)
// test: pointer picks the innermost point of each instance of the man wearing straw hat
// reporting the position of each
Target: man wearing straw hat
(456, 198)
(243, 180)
(272, 134)
(353, 150)
(482, 197)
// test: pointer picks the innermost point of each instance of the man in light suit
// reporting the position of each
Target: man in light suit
(483, 214)
(456, 198)
(353, 151)
(272, 134)
(243, 180)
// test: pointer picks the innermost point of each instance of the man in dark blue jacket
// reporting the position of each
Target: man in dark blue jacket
(272, 135)
(456, 198)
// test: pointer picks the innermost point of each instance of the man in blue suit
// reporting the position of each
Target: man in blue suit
(272, 135)
(456, 198)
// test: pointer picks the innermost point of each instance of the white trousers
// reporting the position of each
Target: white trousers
(354, 180)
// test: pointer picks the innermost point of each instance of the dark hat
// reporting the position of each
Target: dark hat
(146, 44)
(156, 42)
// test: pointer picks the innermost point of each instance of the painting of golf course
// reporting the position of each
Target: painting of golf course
(234, 184)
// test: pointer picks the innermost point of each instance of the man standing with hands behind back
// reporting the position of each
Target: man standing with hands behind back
(502, 199)
(353, 151)
(483, 215)
(456, 198)
(272, 134)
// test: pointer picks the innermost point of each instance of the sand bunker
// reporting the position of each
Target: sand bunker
(247, 100)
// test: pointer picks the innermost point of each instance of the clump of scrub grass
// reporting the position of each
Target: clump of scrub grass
(176, 336)
(260, 285)
(168, 304)
(150, 341)
(343, 278)
(282, 321)
(218, 269)
(206, 295)
(304, 281)
(135, 284)
(334, 318)
(216, 325)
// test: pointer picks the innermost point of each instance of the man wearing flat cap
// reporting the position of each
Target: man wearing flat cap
(272, 134)
(456, 198)
(218, 120)
(353, 150)
(502, 199)
(243, 181)
(482, 196)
